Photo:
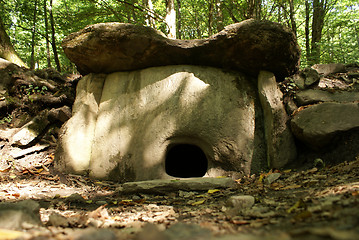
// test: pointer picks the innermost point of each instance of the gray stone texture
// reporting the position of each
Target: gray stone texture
(124, 123)
(174, 185)
(311, 96)
(281, 148)
(316, 125)
(330, 68)
(248, 46)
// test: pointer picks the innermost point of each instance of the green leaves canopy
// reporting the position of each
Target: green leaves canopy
(195, 19)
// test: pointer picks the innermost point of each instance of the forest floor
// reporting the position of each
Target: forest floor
(311, 204)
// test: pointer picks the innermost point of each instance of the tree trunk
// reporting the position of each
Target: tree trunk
(317, 27)
(254, 8)
(179, 20)
(171, 18)
(32, 59)
(210, 17)
(149, 19)
(7, 50)
(292, 17)
(48, 55)
(220, 25)
(307, 39)
(53, 38)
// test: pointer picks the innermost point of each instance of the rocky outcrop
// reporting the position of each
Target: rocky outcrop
(141, 125)
(281, 148)
(249, 46)
(310, 96)
(318, 124)
(327, 69)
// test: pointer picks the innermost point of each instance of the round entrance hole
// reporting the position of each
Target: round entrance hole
(185, 161)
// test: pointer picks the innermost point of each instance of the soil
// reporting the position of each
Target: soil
(316, 203)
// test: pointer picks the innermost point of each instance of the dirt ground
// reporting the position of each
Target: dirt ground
(311, 204)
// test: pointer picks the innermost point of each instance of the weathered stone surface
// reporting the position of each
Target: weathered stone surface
(61, 114)
(241, 202)
(311, 96)
(31, 130)
(249, 46)
(124, 124)
(317, 124)
(281, 148)
(327, 69)
(173, 185)
(15, 215)
(306, 78)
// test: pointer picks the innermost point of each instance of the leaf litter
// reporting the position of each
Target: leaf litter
(320, 203)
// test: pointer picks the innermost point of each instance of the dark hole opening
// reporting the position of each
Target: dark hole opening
(185, 161)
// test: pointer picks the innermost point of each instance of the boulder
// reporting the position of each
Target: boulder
(18, 215)
(311, 96)
(31, 130)
(330, 68)
(316, 125)
(163, 122)
(281, 148)
(306, 78)
(249, 46)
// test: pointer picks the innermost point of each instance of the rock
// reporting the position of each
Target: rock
(249, 46)
(174, 185)
(57, 220)
(306, 78)
(14, 215)
(185, 231)
(241, 202)
(21, 153)
(32, 130)
(327, 69)
(316, 125)
(60, 114)
(311, 96)
(162, 122)
(96, 234)
(271, 178)
(281, 148)
(4, 63)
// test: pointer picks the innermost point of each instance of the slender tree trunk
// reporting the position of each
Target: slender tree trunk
(219, 13)
(317, 27)
(179, 19)
(48, 55)
(149, 19)
(171, 18)
(210, 17)
(307, 38)
(53, 38)
(292, 17)
(32, 59)
(254, 8)
(7, 50)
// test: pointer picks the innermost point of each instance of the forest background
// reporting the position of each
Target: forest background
(327, 30)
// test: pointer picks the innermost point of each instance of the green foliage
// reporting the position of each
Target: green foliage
(197, 19)
(6, 119)
(31, 89)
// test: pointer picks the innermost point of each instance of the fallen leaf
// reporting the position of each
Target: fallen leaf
(240, 222)
(198, 202)
(213, 191)
(291, 187)
(297, 205)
